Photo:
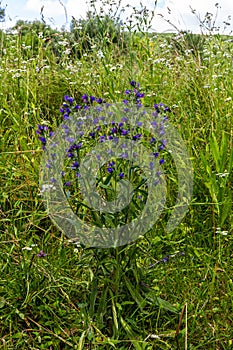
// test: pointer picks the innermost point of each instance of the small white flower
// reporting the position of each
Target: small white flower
(100, 54)
(47, 188)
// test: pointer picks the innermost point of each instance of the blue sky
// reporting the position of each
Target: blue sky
(177, 11)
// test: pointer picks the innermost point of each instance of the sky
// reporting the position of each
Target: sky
(57, 13)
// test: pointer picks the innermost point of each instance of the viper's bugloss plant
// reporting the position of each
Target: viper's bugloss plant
(110, 172)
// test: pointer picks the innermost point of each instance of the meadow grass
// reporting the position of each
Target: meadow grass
(130, 297)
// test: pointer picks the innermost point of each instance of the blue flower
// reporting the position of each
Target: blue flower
(140, 95)
(42, 139)
(92, 134)
(154, 124)
(85, 98)
(70, 155)
(102, 138)
(152, 140)
(99, 100)
(124, 132)
(75, 165)
(124, 155)
(68, 99)
(121, 175)
(133, 83)
(114, 130)
(136, 137)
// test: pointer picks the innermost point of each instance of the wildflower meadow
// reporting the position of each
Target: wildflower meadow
(116, 186)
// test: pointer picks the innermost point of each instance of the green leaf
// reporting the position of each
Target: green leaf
(134, 293)
(2, 302)
(163, 304)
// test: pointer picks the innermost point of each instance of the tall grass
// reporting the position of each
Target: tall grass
(130, 297)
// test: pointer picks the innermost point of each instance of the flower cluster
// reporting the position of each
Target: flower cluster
(43, 132)
(101, 131)
(134, 95)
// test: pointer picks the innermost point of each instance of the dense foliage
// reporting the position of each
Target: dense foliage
(164, 291)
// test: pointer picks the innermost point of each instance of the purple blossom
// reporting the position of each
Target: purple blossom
(92, 134)
(114, 130)
(124, 155)
(75, 165)
(42, 139)
(152, 140)
(41, 254)
(136, 137)
(70, 155)
(102, 138)
(124, 132)
(68, 99)
(85, 98)
(154, 124)
(70, 139)
(133, 83)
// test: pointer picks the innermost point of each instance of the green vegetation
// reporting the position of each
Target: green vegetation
(166, 290)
